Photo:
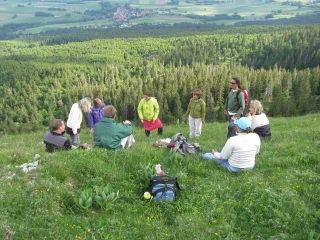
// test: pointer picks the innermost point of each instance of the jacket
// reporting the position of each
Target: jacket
(148, 110)
(196, 109)
(95, 115)
(108, 133)
(235, 105)
(75, 118)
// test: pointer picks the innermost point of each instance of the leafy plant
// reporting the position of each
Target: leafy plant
(175, 159)
(144, 173)
(84, 201)
(105, 196)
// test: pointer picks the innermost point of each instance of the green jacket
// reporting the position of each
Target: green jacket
(235, 105)
(148, 110)
(196, 109)
(108, 133)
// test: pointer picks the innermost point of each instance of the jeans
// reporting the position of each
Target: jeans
(75, 140)
(224, 163)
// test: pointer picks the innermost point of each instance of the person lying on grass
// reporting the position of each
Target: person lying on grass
(54, 139)
(239, 151)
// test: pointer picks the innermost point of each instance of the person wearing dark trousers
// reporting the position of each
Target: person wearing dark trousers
(235, 104)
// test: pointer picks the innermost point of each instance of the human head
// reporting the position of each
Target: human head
(85, 104)
(57, 125)
(196, 93)
(255, 107)
(147, 95)
(243, 124)
(235, 83)
(110, 111)
(97, 102)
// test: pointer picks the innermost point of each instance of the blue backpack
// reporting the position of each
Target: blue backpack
(163, 188)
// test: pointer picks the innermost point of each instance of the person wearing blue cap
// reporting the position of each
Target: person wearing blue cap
(240, 151)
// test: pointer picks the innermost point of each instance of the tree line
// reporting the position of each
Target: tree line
(39, 83)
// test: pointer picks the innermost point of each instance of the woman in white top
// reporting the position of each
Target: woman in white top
(75, 119)
(259, 120)
(239, 151)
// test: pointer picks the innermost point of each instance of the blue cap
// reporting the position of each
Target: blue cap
(243, 123)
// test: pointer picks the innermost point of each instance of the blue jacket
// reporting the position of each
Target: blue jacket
(95, 115)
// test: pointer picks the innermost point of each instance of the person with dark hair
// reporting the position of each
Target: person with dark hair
(110, 134)
(148, 111)
(75, 119)
(54, 140)
(96, 113)
(239, 151)
(196, 112)
(235, 104)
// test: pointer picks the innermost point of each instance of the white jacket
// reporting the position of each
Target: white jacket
(241, 150)
(75, 118)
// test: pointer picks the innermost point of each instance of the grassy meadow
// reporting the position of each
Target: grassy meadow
(279, 199)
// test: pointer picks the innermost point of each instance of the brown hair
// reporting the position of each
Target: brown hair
(56, 123)
(149, 94)
(197, 92)
(110, 111)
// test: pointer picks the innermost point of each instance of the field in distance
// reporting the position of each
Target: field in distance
(47, 15)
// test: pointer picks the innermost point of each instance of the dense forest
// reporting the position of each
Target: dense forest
(40, 80)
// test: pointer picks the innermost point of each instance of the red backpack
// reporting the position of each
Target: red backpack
(246, 97)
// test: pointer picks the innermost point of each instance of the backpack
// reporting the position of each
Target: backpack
(180, 144)
(163, 188)
(246, 96)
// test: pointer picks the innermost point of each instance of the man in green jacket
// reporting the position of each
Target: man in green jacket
(110, 134)
(235, 104)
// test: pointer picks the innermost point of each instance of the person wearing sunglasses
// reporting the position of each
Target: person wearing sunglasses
(235, 104)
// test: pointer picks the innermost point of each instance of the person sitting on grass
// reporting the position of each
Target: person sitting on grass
(259, 120)
(110, 134)
(239, 151)
(54, 140)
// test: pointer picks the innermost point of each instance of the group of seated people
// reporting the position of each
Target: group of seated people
(238, 153)
(107, 133)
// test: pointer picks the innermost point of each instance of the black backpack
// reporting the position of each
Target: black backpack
(163, 188)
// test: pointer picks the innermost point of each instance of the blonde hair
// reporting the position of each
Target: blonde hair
(85, 104)
(110, 111)
(257, 107)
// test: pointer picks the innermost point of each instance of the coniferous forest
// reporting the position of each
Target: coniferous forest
(41, 77)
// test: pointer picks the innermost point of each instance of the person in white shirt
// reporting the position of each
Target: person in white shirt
(75, 119)
(259, 120)
(239, 151)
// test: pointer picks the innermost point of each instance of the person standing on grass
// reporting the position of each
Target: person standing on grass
(54, 140)
(148, 111)
(235, 104)
(110, 134)
(75, 119)
(196, 112)
(96, 113)
(259, 120)
(239, 151)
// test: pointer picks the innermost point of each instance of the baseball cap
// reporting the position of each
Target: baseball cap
(243, 123)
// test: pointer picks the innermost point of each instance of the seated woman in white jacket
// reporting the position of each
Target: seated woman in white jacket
(259, 121)
(75, 119)
(240, 151)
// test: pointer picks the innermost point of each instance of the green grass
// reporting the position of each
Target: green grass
(279, 199)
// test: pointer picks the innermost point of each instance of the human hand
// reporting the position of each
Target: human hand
(233, 118)
(214, 150)
(91, 131)
(85, 145)
(126, 122)
(142, 121)
(248, 114)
